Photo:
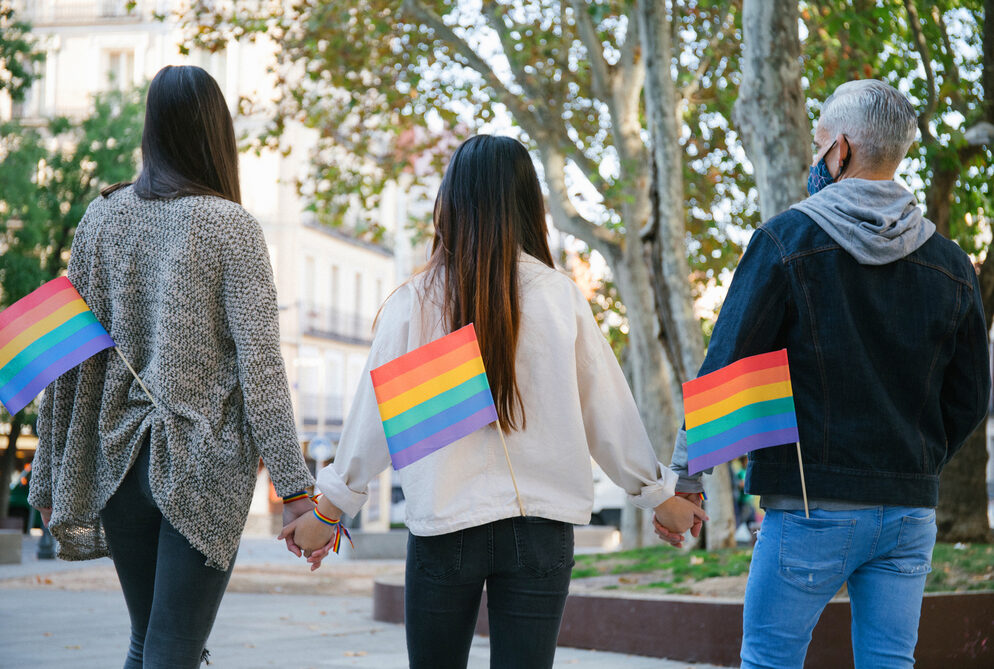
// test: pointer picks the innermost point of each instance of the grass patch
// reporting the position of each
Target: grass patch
(585, 572)
(967, 568)
(970, 567)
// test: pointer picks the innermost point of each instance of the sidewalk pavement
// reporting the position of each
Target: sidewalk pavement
(72, 615)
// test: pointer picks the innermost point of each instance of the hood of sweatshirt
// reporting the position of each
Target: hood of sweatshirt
(876, 222)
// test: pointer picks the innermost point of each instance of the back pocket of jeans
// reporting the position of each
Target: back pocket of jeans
(543, 545)
(813, 551)
(913, 552)
(439, 556)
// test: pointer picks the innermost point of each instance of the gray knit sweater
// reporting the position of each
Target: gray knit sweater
(185, 288)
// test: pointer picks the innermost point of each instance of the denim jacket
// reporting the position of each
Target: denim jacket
(889, 363)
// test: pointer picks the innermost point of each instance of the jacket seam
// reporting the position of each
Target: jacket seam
(940, 269)
(931, 371)
(810, 252)
(821, 362)
(775, 240)
(769, 303)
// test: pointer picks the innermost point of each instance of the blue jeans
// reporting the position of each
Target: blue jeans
(882, 553)
(172, 596)
(526, 564)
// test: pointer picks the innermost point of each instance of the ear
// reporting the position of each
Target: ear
(842, 142)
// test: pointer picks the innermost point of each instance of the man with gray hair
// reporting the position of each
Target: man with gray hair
(887, 344)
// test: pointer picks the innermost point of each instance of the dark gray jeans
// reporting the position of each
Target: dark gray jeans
(526, 564)
(172, 596)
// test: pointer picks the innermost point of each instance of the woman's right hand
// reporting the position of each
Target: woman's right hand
(678, 514)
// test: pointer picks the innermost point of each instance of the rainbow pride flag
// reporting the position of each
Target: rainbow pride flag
(433, 396)
(42, 336)
(742, 407)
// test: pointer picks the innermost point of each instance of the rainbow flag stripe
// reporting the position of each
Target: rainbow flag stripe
(42, 336)
(742, 407)
(433, 396)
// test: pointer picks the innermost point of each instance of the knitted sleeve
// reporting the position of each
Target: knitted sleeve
(40, 491)
(249, 302)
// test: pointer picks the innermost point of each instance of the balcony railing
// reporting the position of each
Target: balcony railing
(57, 12)
(309, 406)
(336, 324)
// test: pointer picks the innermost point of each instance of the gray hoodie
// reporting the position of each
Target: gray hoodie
(876, 222)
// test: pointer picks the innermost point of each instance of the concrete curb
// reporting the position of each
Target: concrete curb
(10, 546)
(956, 630)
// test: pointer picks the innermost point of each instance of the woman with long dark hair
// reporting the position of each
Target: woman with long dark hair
(560, 397)
(179, 275)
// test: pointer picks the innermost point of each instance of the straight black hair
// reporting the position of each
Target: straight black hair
(188, 142)
(488, 211)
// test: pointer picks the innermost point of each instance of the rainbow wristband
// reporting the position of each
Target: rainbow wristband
(325, 519)
(339, 530)
(295, 496)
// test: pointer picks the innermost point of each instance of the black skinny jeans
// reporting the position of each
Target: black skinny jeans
(526, 564)
(172, 596)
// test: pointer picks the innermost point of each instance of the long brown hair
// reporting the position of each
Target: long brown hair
(489, 209)
(188, 142)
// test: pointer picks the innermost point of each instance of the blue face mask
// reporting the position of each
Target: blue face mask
(819, 176)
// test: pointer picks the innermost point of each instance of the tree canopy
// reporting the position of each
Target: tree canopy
(385, 82)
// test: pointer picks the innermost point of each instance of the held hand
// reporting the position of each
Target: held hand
(677, 515)
(320, 554)
(328, 510)
(308, 533)
(291, 512)
(674, 539)
(698, 499)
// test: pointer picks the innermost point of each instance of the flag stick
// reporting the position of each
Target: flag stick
(804, 487)
(521, 507)
(137, 378)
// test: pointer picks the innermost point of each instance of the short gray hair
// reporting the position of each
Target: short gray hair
(880, 120)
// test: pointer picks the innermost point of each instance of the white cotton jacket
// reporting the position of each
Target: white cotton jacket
(577, 405)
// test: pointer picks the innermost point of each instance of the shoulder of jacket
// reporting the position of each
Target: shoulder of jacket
(942, 251)
(786, 223)
(401, 297)
(395, 312)
(226, 219)
(792, 231)
(537, 273)
(210, 206)
(98, 205)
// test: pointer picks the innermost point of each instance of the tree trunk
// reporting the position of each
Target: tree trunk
(651, 381)
(770, 111)
(677, 329)
(7, 464)
(939, 198)
(962, 511)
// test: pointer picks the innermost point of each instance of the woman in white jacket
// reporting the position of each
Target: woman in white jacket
(560, 397)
